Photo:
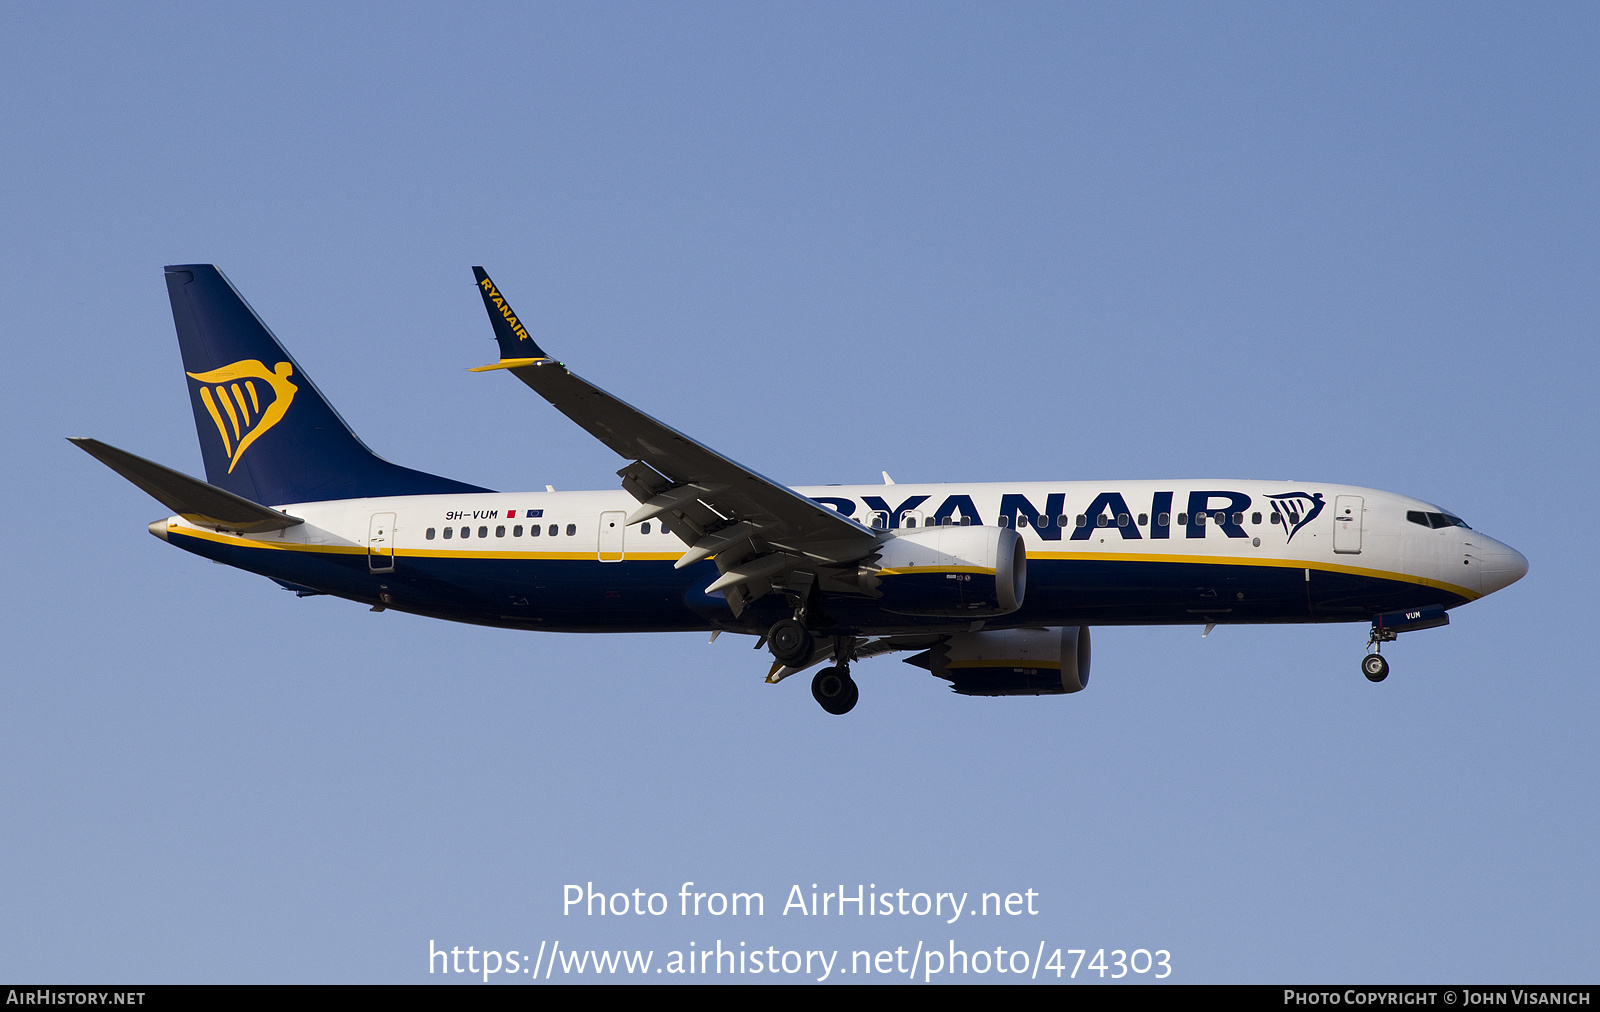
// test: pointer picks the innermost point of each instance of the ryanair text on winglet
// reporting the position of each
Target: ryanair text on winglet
(511, 318)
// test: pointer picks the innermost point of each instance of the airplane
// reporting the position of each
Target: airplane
(993, 586)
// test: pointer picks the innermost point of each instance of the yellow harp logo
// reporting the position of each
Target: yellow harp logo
(242, 409)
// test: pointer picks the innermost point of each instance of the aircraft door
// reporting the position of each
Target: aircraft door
(1347, 510)
(611, 531)
(380, 543)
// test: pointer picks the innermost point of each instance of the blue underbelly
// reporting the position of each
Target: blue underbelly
(578, 595)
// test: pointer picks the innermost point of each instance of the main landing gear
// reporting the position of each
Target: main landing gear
(790, 641)
(835, 690)
(793, 645)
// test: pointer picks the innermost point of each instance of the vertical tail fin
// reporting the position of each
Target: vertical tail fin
(266, 432)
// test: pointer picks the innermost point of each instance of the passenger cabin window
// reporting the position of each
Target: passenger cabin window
(572, 529)
(880, 520)
(1123, 520)
(644, 528)
(1006, 521)
(1165, 519)
(1102, 520)
(466, 532)
(429, 535)
(1064, 520)
(1083, 521)
(483, 532)
(1022, 520)
(1183, 519)
(516, 531)
(500, 531)
(553, 529)
(665, 529)
(535, 530)
(1238, 518)
(1276, 518)
(448, 531)
(1255, 518)
(1144, 518)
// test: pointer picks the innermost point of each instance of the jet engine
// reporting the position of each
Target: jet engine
(967, 572)
(1012, 662)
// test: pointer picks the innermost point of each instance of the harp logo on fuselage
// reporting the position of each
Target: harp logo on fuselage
(1296, 509)
(245, 399)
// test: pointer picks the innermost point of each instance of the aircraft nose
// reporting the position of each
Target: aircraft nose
(1502, 566)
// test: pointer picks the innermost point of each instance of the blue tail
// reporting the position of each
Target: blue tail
(266, 432)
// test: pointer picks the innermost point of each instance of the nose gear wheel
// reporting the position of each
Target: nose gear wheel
(1375, 667)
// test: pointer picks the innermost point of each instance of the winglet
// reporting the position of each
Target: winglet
(517, 346)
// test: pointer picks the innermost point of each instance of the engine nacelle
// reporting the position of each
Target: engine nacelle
(975, 572)
(1012, 662)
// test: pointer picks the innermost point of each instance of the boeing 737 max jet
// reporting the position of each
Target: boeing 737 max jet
(995, 586)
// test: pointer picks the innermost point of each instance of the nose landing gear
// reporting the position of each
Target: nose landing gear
(1387, 626)
(1375, 667)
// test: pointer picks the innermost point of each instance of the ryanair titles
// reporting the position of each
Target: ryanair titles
(1053, 519)
(492, 293)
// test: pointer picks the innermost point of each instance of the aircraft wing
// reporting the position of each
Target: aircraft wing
(762, 534)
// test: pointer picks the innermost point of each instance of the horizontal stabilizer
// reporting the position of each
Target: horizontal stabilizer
(190, 498)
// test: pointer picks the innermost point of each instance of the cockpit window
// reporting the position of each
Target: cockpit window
(1434, 520)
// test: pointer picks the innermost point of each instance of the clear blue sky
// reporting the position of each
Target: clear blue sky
(1335, 242)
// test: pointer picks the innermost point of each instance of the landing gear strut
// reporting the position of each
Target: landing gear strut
(1373, 665)
(835, 690)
